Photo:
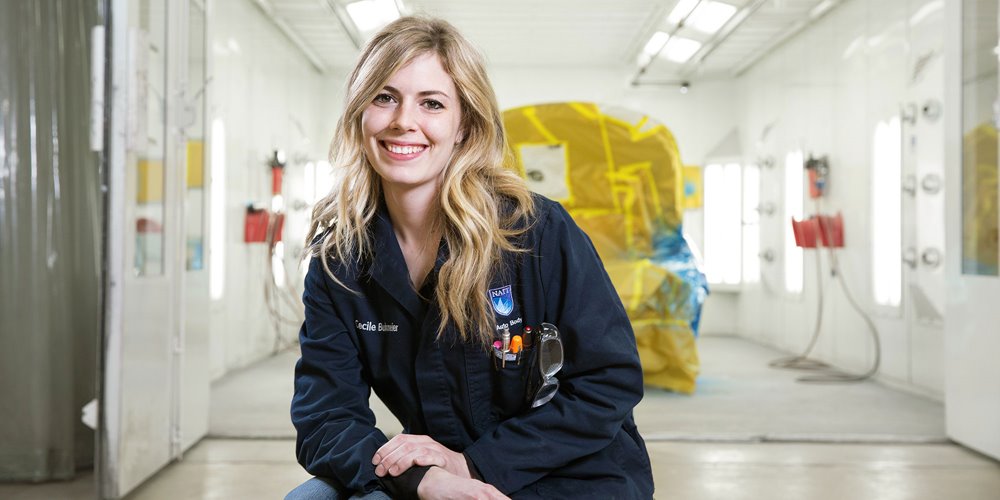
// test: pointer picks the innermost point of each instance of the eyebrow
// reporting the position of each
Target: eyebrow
(423, 93)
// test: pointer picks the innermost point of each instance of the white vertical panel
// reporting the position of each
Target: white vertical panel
(972, 345)
(146, 382)
(794, 168)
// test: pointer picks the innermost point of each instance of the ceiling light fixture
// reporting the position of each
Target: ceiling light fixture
(371, 15)
(679, 50)
(682, 10)
(710, 17)
(653, 47)
(706, 16)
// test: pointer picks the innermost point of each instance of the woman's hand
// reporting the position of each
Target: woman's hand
(439, 484)
(407, 450)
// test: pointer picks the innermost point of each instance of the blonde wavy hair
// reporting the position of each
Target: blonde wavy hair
(484, 203)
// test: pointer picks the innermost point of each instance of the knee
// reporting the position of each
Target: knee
(314, 489)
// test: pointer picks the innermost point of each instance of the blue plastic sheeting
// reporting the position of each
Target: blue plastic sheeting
(672, 252)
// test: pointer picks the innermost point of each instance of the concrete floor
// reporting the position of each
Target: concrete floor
(749, 433)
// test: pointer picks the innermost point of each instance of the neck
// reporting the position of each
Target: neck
(413, 213)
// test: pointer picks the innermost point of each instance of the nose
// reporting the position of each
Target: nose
(403, 118)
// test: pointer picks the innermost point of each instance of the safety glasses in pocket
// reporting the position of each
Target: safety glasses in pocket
(550, 361)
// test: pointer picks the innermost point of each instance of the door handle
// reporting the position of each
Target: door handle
(910, 185)
(931, 183)
(910, 257)
(908, 113)
(931, 257)
(767, 255)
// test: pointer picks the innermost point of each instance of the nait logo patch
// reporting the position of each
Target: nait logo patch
(502, 300)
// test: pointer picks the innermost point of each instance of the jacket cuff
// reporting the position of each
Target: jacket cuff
(473, 470)
(404, 486)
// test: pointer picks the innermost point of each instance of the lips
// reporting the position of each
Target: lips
(402, 151)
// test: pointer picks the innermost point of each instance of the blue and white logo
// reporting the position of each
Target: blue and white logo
(502, 300)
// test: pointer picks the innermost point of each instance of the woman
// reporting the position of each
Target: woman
(431, 262)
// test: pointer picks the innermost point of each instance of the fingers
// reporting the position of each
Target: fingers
(406, 450)
(405, 457)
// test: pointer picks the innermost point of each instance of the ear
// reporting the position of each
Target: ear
(460, 138)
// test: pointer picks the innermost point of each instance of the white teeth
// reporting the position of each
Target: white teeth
(404, 150)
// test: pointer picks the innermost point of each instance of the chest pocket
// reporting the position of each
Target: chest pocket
(510, 384)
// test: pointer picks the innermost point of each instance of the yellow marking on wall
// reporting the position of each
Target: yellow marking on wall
(150, 181)
(195, 164)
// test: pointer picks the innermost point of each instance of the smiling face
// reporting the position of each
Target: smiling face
(412, 125)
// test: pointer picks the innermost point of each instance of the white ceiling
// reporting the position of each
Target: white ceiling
(604, 33)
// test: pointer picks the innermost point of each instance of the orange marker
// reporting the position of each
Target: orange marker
(516, 344)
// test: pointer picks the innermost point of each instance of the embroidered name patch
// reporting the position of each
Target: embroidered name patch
(502, 300)
(371, 326)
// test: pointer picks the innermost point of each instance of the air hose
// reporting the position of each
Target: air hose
(802, 361)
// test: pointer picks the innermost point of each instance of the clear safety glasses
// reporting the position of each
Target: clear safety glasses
(550, 361)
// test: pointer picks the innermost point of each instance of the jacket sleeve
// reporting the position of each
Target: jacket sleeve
(601, 378)
(336, 434)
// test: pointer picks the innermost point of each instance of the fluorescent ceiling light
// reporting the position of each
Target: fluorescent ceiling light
(652, 48)
(706, 16)
(681, 10)
(656, 43)
(370, 15)
(679, 49)
(710, 17)
(821, 8)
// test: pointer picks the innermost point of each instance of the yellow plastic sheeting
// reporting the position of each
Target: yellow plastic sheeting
(980, 252)
(619, 175)
(693, 187)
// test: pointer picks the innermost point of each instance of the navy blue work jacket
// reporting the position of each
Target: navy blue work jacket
(581, 444)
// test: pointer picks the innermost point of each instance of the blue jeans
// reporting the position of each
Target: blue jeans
(321, 489)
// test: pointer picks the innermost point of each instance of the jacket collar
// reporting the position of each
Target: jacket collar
(388, 267)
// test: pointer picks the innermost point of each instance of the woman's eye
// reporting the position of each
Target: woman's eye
(432, 104)
(383, 99)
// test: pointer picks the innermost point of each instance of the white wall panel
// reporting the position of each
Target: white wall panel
(269, 96)
(824, 91)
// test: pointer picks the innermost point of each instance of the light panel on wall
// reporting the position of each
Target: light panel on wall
(751, 224)
(722, 186)
(887, 235)
(679, 49)
(217, 214)
(370, 15)
(794, 191)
